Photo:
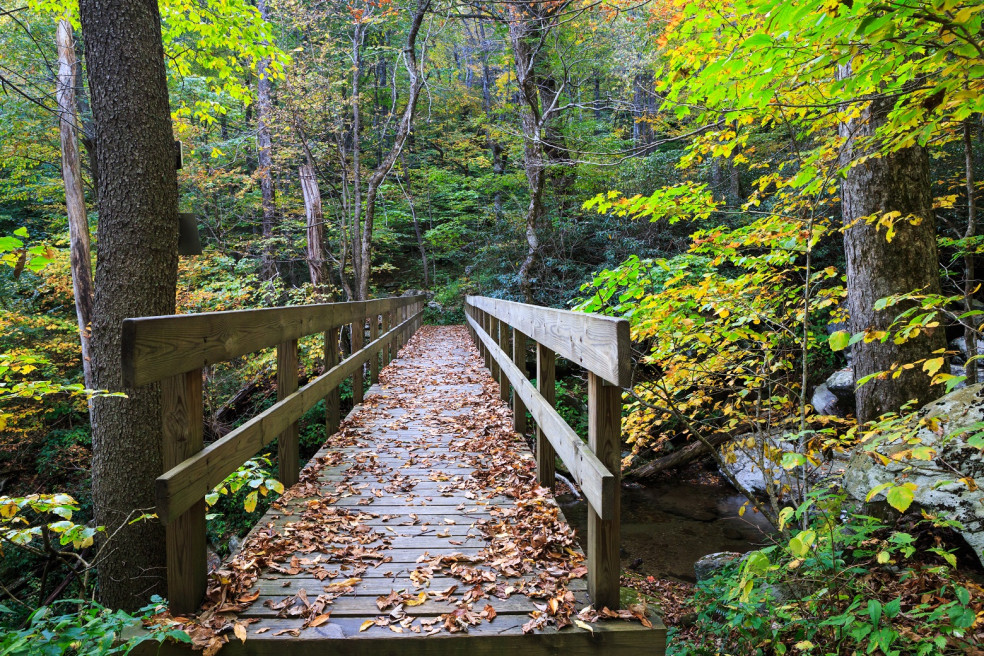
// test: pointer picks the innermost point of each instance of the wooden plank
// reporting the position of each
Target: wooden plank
(604, 438)
(358, 337)
(545, 384)
(599, 344)
(333, 402)
(373, 587)
(388, 351)
(190, 481)
(288, 454)
(187, 568)
(595, 480)
(156, 347)
(374, 360)
(519, 359)
(503, 635)
(504, 345)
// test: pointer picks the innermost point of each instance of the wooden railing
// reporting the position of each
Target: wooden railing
(174, 349)
(600, 345)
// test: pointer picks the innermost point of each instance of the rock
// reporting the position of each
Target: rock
(824, 402)
(234, 544)
(212, 560)
(709, 565)
(743, 462)
(841, 384)
(938, 488)
(960, 346)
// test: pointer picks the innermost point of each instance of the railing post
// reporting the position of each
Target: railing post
(358, 336)
(545, 454)
(604, 438)
(377, 351)
(504, 345)
(519, 359)
(388, 354)
(187, 568)
(487, 327)
(333, 400)
(287, 443)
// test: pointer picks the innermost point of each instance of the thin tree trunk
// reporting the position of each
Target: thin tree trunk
(416, 226)
(970, 334)
(78, 225)
(357, 247)
(413, 66)
(264, 155)
(877, 268)
(315, 226)
(136, 275)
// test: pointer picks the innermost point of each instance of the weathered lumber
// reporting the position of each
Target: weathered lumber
(604, 438)
(192, 479)
(288, 447)
(519, 359)
(545, 384)
(599, 344)
(181, 398)
(156, 347)
(596, 482)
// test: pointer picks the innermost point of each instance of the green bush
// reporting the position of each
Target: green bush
(847, 583)
(81, 628)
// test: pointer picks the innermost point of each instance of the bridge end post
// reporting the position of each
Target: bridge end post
(604, 438)
(187, 565)
(376, 355)
(358, 337)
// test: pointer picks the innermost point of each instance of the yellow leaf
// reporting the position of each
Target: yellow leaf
(933, 365)
(250, 503)
(421, 598)
(240, 631)
(366, 625)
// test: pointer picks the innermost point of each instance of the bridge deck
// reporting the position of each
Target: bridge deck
(420, 518)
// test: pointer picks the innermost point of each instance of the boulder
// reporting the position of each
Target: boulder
(824, 402)
(938, 486)
(709, 565)
(743, 462)
(841, 384)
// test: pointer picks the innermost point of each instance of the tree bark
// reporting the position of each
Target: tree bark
(683, 456)
(877, 268)
(315, 226)
(136, 275)
(264, 156)
(413, 66)
(970, 276)
(78, 224)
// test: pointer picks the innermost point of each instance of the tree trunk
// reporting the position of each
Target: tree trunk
(264, 155)
(413, 66)
(136, 275)
(78, 225)
(315, 226)
(970, 282)
(877, 267)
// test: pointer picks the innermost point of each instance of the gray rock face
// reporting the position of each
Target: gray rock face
(707, 566)
(841, 384)
(824, 402)
(938, 488)
(753, 467)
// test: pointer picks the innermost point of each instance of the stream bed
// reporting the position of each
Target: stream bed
(668, 525)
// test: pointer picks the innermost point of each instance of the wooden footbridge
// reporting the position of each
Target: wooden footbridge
(424, 525)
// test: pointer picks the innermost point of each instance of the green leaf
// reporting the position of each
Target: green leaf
(21, 232)
(839, 340)
(900, 497)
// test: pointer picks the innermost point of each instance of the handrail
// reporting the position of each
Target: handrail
(601, 345)
(174, 349)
